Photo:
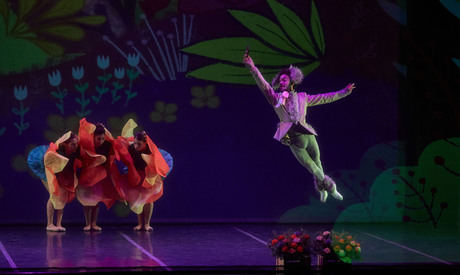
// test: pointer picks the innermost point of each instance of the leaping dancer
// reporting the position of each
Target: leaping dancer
(293, 130)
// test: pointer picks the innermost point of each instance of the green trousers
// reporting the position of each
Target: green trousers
(305, 149)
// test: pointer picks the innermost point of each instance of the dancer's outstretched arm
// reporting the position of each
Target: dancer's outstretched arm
(330, 97)
(266, 89)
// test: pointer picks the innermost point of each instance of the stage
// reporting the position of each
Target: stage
(211, 249)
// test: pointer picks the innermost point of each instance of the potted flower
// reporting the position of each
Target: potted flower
(321, 249)
(345, 247)
(292, 250)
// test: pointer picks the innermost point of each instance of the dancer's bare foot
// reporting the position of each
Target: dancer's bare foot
(61, 228)
(87, 228)
(148, 228)
(138, 227)
(96, 227)
(52, 228)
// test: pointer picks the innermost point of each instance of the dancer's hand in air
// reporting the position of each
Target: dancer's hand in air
(247, 60)
(349, 87)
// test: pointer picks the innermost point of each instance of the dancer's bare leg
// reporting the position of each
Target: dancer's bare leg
(140, 221)
(59, 214)
(50, 217)
(87, 212)
(94, 215)
(148, 210)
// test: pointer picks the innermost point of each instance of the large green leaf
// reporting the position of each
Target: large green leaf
(4, 12)
(306, 70)
(24, 7)
(225, 73)
(4, 8)
(316, 28)
(293, 26)
(232, 49)
(68, 32)
(63, 8)
(265, 29)
(50, 48)
(90, 20)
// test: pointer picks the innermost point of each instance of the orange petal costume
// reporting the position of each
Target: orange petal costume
(61, 178)
(95, 182)
(140, 186)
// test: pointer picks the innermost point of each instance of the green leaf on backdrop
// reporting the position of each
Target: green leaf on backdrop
(266, 30)
(316, 28)
(225, 73)
(50, 48)
(232, 49)
(293, 26)
(3, 8)
(25, 6)
(90, 20)
(68, 32)
(63, 8)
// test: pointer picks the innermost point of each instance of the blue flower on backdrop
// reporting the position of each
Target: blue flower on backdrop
(77, 74)
(103, 62)
(54, 78)
(20, 93)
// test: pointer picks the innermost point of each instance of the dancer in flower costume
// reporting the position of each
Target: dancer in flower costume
(147, 167)
(95, 182)
(56, 165)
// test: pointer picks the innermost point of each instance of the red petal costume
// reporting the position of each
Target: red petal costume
(140, 186)
(61, 179)
(95, 182)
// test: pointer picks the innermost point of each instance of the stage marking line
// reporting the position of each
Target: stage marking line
(408, 248)
(7, 256)
(250, 235)
(145, 251)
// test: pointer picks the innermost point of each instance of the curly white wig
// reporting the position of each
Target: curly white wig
(295, 74)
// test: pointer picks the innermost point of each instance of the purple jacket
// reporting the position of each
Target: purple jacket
(304, 100)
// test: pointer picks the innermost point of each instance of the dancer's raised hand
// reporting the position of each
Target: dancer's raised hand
(350, 87)
(247, 60)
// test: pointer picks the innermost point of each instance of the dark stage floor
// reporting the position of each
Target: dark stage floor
(210, 248)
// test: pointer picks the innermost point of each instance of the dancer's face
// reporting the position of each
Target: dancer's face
(284, 82)
(99, 139)
(71, 146)
(139, 145)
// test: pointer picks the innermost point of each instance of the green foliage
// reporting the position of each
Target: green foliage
(317, 29)
(293, 26)
(59, 125)
(164, 112)
(266, 29)
(32, 31)
(226, 73)
(275, 47)
(231, 49)
(424, 194)
(204, 96)
(353, 184)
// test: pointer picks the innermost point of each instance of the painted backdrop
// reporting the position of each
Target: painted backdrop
(175, 67)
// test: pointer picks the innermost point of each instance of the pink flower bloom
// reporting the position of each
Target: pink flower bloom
(327, 250)
(319, 238)
(326, 233)
(296, 240)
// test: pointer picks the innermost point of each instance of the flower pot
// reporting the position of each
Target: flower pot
(293, 264)
(317, 262)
